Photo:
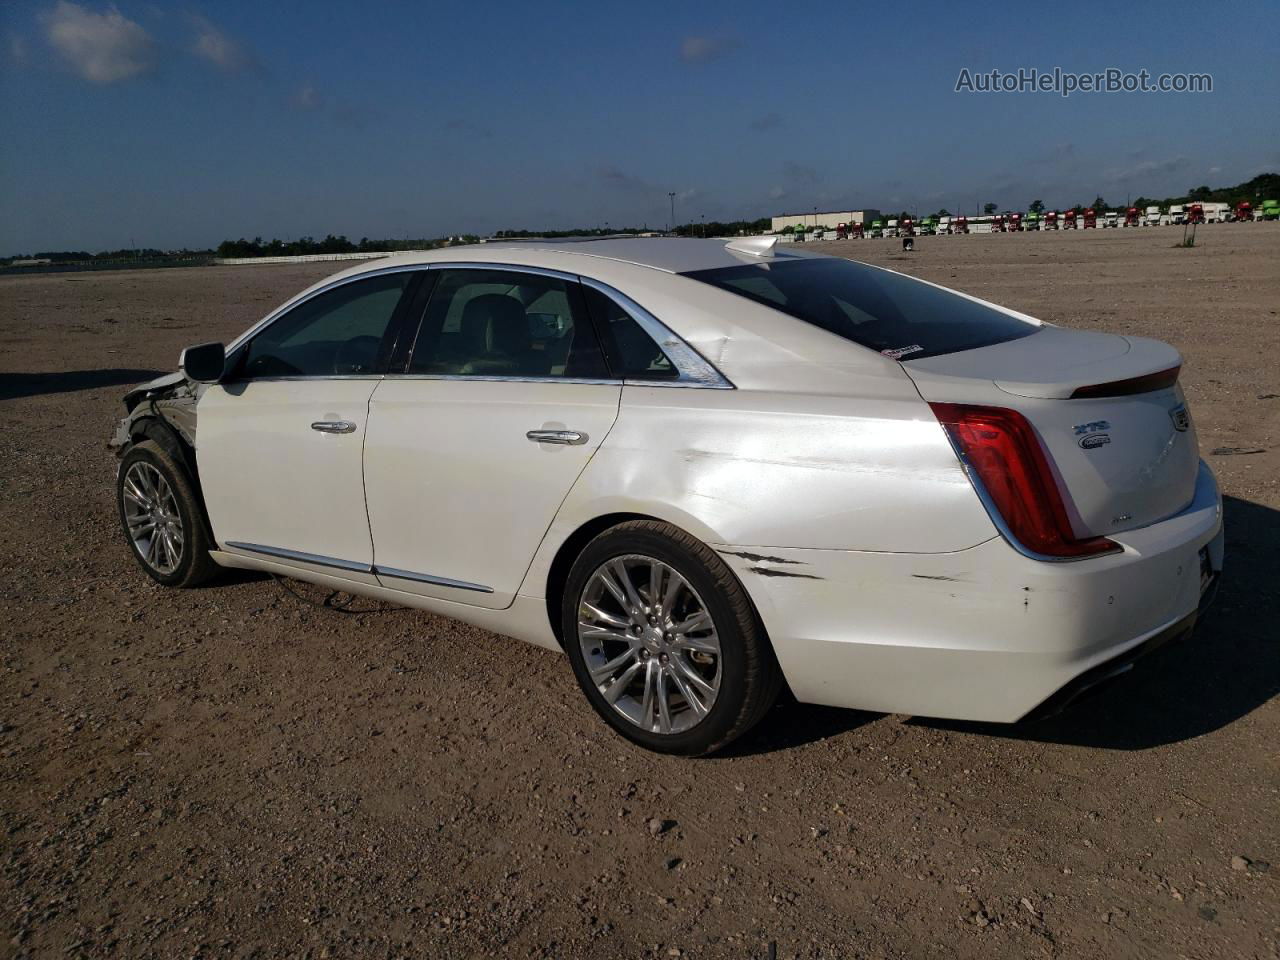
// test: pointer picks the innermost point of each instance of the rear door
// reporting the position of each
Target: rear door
(504, 398)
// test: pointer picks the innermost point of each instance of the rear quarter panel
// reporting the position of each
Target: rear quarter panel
(756, 468)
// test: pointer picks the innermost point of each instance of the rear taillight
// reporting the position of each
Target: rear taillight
(1147, 383)
(1005, 455)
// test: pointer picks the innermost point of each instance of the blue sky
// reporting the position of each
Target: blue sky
(187, 123)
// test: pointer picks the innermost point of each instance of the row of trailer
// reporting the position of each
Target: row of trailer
(1017, 222)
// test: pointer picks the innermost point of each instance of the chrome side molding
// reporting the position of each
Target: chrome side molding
(322, 561)
(429, 578)
(301, 557)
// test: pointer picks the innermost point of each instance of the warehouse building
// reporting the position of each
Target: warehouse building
(820, 219)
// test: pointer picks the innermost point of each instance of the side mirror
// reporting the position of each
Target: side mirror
(204, 362)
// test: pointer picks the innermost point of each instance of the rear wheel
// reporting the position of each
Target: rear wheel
(161, 517)
(665, 642)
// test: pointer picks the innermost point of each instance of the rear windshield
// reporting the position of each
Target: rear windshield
(894, 314)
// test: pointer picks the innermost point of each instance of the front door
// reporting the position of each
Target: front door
(279, 443)
(469, 455)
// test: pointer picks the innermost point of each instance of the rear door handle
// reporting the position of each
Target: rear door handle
(334, 426)
(557, 436)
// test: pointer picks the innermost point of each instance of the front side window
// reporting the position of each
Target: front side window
(336, 333)
(505, 323)
(897, 315)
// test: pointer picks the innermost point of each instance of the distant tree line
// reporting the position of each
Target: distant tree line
(309, 246)
(720, 228)
(82, 256)
(1265, 186)
(560, 234)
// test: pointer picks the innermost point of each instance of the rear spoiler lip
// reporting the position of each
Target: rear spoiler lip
(1130, 386)
(1165, 378)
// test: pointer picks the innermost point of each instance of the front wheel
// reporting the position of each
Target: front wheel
(664, 641)
(162, 518)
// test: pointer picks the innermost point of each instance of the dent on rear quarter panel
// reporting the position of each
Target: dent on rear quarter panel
(753, 470)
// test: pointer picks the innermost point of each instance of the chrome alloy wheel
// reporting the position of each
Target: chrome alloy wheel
(649, 644)
(151, 515)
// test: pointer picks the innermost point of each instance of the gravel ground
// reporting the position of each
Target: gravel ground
(230, 772)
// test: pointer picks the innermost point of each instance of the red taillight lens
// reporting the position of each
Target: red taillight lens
(1147, 383)
(1005, 453)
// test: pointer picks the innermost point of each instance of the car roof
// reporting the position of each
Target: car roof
(668, 254)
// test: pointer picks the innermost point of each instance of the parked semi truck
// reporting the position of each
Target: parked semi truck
(1152, 218)
(1216, 212)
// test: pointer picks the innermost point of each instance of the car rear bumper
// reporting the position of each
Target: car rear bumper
(984, 633)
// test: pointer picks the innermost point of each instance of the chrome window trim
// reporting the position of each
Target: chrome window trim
(495, 378)
(318, 560)
(692, 369)
(504, 267)
(299, 300)
(298, 555)
(315, 379)
(431, 579)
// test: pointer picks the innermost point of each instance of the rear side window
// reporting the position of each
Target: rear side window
(899, 316)
(632, 353)
(504, 323)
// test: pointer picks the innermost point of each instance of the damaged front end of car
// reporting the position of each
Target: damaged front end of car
(163, 410)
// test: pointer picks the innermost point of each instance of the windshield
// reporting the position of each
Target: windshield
(897, 315)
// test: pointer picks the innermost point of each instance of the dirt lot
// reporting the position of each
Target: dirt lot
(229, 772)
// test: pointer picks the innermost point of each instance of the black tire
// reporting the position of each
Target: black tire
(750, 677)
(194, 565)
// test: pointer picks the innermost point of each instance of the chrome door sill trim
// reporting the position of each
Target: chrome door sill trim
(322, 561)
(298, 555)
(428, 578)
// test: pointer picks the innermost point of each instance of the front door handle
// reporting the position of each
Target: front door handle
(557, 436)
(334, 426)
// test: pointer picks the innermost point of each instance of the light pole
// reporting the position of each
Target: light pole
(671, 224)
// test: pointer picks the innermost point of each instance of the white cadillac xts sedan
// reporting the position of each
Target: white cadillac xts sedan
(702, 468)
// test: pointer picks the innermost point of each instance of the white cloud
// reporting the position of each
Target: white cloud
(704, 49)
(104, 48)
(307, 98)
(17, 49)
(219, 49)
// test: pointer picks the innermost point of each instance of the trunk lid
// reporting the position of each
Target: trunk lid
(1122, 459)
